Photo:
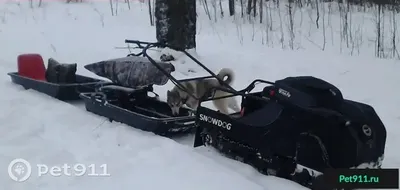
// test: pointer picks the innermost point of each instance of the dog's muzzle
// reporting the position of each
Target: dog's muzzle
(175, 110)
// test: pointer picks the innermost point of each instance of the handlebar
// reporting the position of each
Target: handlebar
(139, 42)
(253, 85)
(146, 45)
(142, 45)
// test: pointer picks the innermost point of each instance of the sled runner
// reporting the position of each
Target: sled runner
(58, 80)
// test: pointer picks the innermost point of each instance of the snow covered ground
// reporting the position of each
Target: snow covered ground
(46, 131)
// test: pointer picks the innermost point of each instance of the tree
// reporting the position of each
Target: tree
(231, 7)
(176, 23)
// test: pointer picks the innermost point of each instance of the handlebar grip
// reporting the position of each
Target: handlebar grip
(136, 42)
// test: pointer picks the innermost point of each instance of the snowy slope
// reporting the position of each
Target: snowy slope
(46, 131)
(42, 130)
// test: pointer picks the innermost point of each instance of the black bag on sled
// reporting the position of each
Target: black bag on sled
(60, 72)
(334, 132)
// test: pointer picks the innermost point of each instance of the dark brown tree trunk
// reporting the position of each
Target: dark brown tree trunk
(249, 6)
(176, 23)
(231, 7)
(254, 7)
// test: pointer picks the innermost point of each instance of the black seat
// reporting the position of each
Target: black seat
(264, 116)
(290, 96)
(307, 91)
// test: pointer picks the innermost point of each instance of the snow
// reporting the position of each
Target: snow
(46, 131)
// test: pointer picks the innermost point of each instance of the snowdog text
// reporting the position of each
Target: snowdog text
(216, 122)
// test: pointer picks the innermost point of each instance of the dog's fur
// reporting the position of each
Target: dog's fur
(176, 98)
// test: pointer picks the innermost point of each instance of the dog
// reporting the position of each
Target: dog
(176, 97)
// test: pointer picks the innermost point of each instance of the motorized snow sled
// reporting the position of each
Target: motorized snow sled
(292, 124)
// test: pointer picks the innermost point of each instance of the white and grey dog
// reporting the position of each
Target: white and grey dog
(176, 98)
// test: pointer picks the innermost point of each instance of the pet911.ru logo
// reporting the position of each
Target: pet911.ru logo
(20, 170)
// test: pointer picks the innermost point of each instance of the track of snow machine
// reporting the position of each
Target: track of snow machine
(295, 128)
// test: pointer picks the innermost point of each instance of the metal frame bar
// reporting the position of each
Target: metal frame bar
(148, 45)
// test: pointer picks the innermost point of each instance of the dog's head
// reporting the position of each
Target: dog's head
(174, 101)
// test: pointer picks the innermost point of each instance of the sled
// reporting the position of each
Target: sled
(32, 75)
(136, 108)
(295, 128)
(126, 99)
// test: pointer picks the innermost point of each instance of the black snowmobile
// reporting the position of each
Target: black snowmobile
(293, 124)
